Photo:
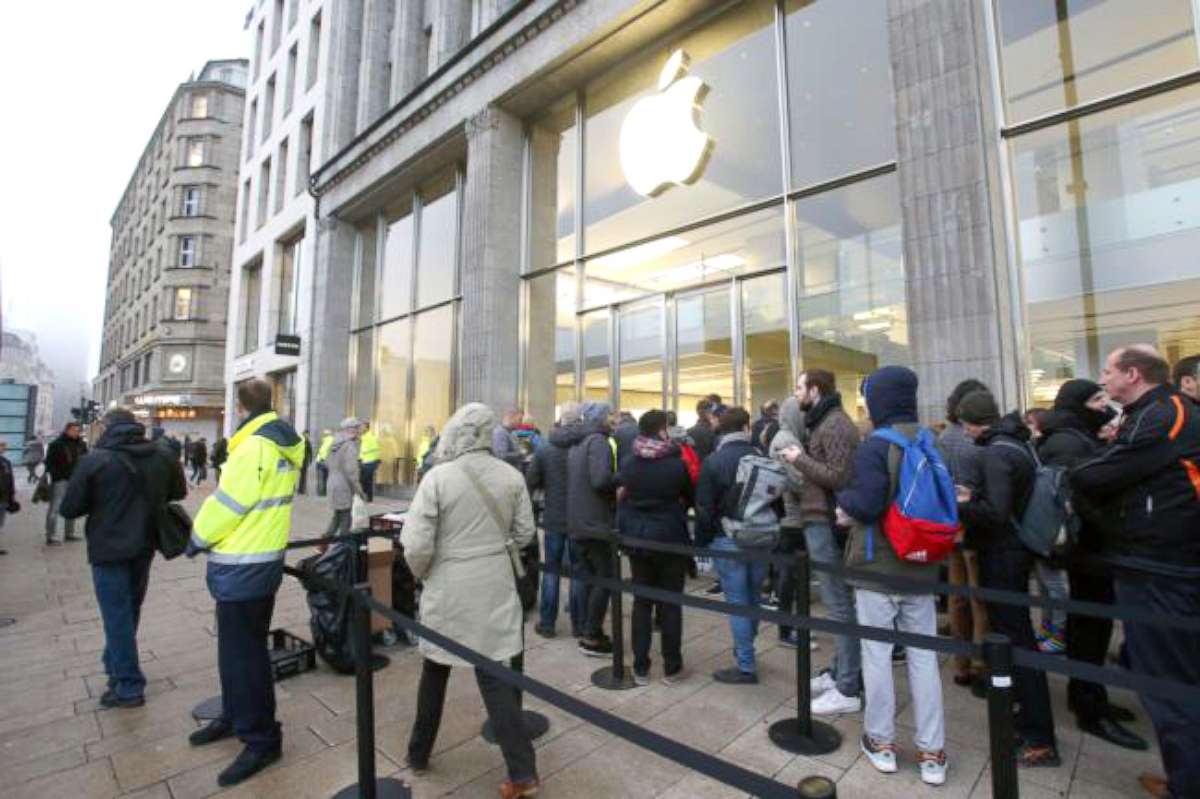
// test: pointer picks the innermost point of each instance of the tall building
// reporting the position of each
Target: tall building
(546, 200)
(163, 347)
(25, 379)
(271, 323)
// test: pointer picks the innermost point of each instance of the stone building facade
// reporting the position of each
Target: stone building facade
(163, 347)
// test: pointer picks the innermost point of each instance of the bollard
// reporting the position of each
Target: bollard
(998, 652)
(615, 677)
(802, 735)
(368, 787)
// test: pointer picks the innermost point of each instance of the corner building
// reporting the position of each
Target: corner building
(534, 202)
(163, 347)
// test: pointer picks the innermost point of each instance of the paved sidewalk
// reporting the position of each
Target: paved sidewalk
(55, 741)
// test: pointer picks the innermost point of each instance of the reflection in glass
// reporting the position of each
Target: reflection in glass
(432, 388)
(841, 106)
(849, 257)
(550, 344)
(436, 251)
(768, 361)
(396, 290)
(554, 148)
(704, 349)
(734, 55)
(641, 349)
(1109, 227)
(596, 357)
(362, 384)
(391, 395)
(367, 297)
(741, 245)
(1055, 55)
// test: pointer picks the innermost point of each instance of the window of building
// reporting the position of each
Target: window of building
(304, 154)
(293, 13)
(289, 89)
(268, 107)
(137, 372)
(289, 271)
(245, 223)
(264, 190)
(437, 249)
(191, 200)
(187, 251)
(395, 296)
(154, 311)
(259, 39)
(251, 120)
(199, 105)
(314, 51)
(251, 302)
(181, 307)
(277, 26)
(281, 175)
(194, 152)
(146, 367)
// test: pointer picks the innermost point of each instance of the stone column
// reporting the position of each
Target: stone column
(328, 336)
(374, 78)
(342, 84)
(960, 313)
(451, 28)
(410, 53)
(491, 256)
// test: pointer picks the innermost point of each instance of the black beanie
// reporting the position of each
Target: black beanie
(978, 407)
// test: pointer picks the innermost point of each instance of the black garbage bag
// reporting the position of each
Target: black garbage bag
(331, 612)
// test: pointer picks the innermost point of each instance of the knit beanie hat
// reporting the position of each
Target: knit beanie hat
(978, 407)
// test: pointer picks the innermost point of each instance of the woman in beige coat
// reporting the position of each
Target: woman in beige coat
(467, 512)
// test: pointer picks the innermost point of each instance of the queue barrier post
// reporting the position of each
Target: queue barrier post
(615, 677)
(368, 786)
(801, 735)
(998, 653)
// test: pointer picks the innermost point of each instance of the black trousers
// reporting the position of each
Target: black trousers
(322, 478)
(791, 541)
(596, 560)
(1007, 566)
(668, 572)
(247, 683)
(1169, 654)
(503, 705)
(302, 484)
(1087, 640)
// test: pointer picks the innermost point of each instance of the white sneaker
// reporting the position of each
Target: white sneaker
(834, 702)
(821, 683)
(933, 767)
(882, 756)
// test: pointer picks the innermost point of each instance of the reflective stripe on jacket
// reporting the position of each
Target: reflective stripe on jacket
(244, 525)
(368, 451)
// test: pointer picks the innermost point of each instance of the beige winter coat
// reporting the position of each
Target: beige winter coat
(452, 543)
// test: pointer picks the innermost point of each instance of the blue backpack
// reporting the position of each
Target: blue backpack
(922, 522)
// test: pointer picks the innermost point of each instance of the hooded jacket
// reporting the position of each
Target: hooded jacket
(591, 474)
(790, 434)
(1069, 437)
(658, 491)
(245, 524)
(345, 477)
(548, 471)
(715, 494)
(121, 522)
(456, 545)
(891, 395)
(1008, 470)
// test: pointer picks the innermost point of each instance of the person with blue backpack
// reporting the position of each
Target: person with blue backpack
(903, 521)
(992, 512)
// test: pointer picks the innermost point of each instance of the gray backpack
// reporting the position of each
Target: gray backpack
(760, 482)
(1049, 525)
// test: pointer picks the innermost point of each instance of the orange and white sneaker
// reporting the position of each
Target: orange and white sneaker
(881, 755)
(933, 767)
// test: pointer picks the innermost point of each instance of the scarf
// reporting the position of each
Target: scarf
(653, 449)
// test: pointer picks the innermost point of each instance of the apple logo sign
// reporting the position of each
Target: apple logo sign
(661, 142)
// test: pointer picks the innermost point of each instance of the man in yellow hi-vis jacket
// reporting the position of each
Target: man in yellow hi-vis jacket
(244, 528)
(368, 456)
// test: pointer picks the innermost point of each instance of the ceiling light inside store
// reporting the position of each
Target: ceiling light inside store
(642, 253)
(694, 271)
(872, 327)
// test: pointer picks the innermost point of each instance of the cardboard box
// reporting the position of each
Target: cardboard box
(379, 574)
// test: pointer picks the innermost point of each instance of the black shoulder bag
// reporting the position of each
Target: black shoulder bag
(172, 524)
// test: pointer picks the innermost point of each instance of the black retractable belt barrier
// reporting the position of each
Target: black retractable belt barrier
(368, 786)
(998, 653)
(802, 735)
(615, 677)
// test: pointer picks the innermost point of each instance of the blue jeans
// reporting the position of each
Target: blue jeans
(120, 589)
(560, 551)
(839, 603)
(741, 582)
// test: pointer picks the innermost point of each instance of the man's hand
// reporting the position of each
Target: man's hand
(790, 454)
(842, 518)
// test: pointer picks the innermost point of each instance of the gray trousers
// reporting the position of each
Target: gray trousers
(909, 614)
(58, 490)
(839, 604)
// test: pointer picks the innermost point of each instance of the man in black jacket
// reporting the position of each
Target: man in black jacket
(548, 471)
(120, 488)
(62, 455)
(1147, 487)
(1070, 436)
(1007, 469)
(8, 488)
(1186, 376)
(702, 432)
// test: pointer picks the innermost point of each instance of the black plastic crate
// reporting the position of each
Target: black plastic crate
(290, 655)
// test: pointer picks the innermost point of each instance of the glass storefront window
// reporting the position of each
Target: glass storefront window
(640, 337)
(1056, 55)
(841, 106)
(703, 349)
(767, 372)
(550, 344)
(365, 299)
(432, 367)
(554, 148)
(362, 386)
(712, 125)
(1108, 210)
(597, 352)
(437, 250)
(395, 296)
(744, 244)
(391, 395)
(852, 288)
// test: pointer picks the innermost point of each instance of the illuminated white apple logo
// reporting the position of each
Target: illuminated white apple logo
(661, 140)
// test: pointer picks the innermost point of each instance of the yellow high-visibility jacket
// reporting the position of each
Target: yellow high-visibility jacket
(323, 450)
(244, 525)
(368, 447)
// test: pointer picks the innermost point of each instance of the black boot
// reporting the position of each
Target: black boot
(1115, 733)
(215, 730)
(247, 764)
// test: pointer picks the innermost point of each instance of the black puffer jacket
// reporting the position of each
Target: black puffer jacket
(548, 471)
(1008, 471)
(591, 480)
(704, 439)
(120, 522)
(658, 492)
